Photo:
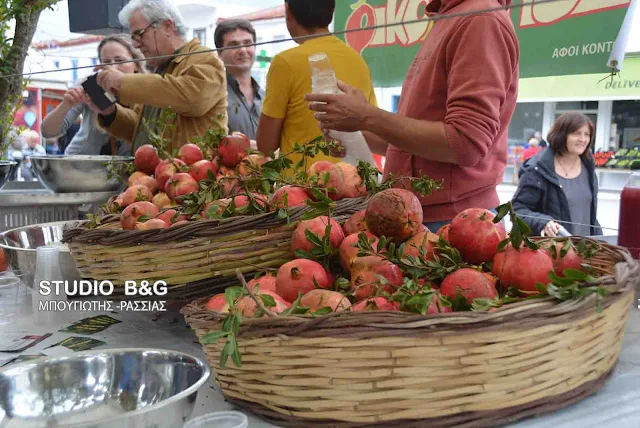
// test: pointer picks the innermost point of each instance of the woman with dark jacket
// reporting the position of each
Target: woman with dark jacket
(559, 185)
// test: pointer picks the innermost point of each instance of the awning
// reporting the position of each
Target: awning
(584, 87)
(567, 37)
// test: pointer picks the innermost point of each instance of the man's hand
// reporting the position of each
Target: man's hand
(73, 97)
(551, 229)
(93, 107)
(343, 112)
(111, 80)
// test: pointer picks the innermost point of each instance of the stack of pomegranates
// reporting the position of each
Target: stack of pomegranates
(366, 282)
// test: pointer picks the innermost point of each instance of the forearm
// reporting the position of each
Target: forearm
(417, 137)
(52, 123)
(376, 144)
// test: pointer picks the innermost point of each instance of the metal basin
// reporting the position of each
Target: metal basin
(20, 247)
(124, 388)
(79, 174)
(6, 170)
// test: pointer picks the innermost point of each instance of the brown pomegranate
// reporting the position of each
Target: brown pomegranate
(133, 212)
(328, 176)
(137, 193)
(248, 307)
(366, 273)
(353, 185)
(251, 165)
(348, 250)
(375, 304)
(395, 214)
(423, 240)
(476, 236)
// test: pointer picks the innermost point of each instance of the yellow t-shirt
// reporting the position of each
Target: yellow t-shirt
(289, 80)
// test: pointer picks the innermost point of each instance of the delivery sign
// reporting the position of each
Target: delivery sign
(556, 38)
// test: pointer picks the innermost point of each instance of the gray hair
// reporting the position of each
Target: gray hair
(154, 11)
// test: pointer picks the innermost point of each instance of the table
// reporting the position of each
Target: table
(616, 406)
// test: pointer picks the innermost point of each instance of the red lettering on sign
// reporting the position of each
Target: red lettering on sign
(533, 14)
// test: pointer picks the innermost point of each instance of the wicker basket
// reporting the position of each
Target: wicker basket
(465, 369)
(195, 259)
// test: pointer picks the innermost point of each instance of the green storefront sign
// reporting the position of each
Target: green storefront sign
(560, 38)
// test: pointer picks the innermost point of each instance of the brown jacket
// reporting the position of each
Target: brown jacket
(195, 87)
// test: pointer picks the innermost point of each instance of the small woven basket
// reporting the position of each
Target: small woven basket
(195, 260)
(462, 369)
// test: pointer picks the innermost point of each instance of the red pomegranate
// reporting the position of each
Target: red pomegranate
(355, 223)
(470, 283)
(366, 273)
(523, 268)
(297, 276)
(568, 259)
(296, 196)
(318, 227)
(375, 304)
(476, 236)
(318, 299)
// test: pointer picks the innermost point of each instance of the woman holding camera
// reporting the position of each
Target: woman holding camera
(91, 139)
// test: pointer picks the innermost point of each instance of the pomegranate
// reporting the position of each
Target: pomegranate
(317, 226)
(146, 159)
(215, 207)
(190, 154)
(366, 273)
(318, 299)
(251, 165)
(149, 182)
(355, 223)
(133, 212)
(395, 214)
(248, 307)
(181, 184)
(375, 304)
(444, 232)
(349, 249)
(226, 171)
(154, 223)
(264, 283)
(242, 201)
(218, 303)
(131, 181)
(522, 269)
(296, 196)
(329, 176)
(426, 240)
(353, 185)
(298, 276)
(180, 223)
(161, 200)
(470, 283)
(230, 186)
(165, 170)
(476, 236)
(233, 148)
(570, 260)
(171, 216)
(437, 307)
(200, 170)
(137, 193)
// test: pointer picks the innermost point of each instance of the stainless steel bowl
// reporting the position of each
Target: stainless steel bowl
(20, 246)
(6, 170)
(124, 388)
(78, 174)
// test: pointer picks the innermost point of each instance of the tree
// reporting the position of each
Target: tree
(22, 16)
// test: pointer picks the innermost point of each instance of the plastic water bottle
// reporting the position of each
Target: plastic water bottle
(324, 81)
(47, 269)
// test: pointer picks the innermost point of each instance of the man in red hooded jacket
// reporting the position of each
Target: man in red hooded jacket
(456, 104)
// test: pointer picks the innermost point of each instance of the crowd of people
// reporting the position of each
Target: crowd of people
(451, 123)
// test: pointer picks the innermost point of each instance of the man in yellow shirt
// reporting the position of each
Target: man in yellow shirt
(286, 118)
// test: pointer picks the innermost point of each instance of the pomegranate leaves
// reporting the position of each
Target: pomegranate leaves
(520, 231)
(323, 205)
(421, 186)
(414, 298)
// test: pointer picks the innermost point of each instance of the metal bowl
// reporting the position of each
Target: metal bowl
(78, 174)
(20, 246)
(6, 171)
(124, 388)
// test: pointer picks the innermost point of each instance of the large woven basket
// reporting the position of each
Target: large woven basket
(464, 369)
(195, 259)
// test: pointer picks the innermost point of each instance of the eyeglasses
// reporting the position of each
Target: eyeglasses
(137, 35)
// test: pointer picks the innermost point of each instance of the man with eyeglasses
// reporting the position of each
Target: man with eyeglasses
(192, 84)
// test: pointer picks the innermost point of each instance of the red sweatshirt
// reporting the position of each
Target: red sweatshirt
(465, 75)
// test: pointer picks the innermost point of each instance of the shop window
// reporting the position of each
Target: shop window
(201, 34)
(527, 119)
(625, 124)
(577, 106)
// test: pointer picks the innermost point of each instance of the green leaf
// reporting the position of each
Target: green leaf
(322, 311)
(268, 300)
(213, 337)
(503, 245)
(232, 294)
(503, 211)
(226, 351)
(565, 248)
(235, 351)
(576, 275)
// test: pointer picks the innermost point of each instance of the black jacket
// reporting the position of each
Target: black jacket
(540, 198)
